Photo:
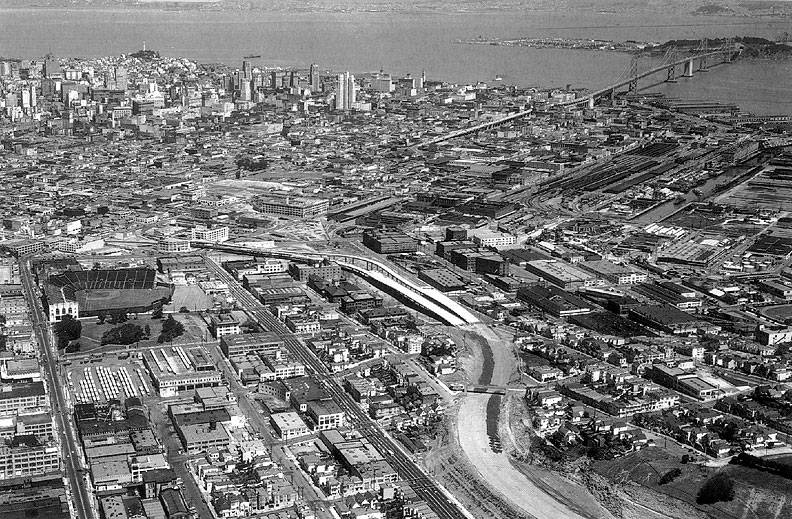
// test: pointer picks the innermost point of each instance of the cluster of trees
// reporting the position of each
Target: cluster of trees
(246, 162)
(719, 487)
(114, 317)
(126, 333)
(68, 329)
(767, 465)
(129, 333)
(251, 326)
(171, 328)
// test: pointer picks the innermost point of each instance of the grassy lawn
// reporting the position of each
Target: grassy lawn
(92, 331)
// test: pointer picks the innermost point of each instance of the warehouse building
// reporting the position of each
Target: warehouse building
(324, 270)
(288, 425)
(301, 207)
(389, 242)
(180, 368)
(443, 280)
(264, 343)
(553, 300)
(615, 273)
(560, 273)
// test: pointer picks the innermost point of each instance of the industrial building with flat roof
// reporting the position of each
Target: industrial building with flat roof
(325, 415)
(560, 273)
(24, 460)
(223, 324)
(179, 368)
(325, 270)
(615, 273)
(684, 381)
(301, 207)
(489, 238)
(389, 242)
(690, 253)
(442, 279)
(20, 397)
(288, 425)
(267, 343)
(553, 300)
(665, 317)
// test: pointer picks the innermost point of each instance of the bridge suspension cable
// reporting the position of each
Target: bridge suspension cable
(703, 49)
(670, 59)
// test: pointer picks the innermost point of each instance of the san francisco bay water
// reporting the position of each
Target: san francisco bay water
(402, 42)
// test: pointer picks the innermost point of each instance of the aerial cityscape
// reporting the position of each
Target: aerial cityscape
(265, 287)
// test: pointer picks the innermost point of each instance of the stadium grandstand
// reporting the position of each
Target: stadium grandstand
(81, 293)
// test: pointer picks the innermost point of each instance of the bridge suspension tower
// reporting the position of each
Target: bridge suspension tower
(728, 50)
(671, 58)
(703, 49)
(632, 86)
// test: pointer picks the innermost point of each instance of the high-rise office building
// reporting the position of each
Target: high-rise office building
(52, 69)
(120, 77)
(245, 91)
(6, 68)
(345, 92)
(382, 83)
(313, 78)
(247, 70)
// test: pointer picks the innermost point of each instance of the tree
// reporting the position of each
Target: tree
(184, 310)
(249, 163)
(719, 487)
(157, 313)
(670, 476)
(73, 347)
(171, 329)
(127, 333)
(66, 330)
(251, 326)
(147, 330)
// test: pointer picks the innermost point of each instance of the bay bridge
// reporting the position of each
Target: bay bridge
(670, 63)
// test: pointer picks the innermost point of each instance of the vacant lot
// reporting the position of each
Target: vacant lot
(757, 494)
(190, 297)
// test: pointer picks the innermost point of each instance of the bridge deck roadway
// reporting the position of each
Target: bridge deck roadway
(582, 100)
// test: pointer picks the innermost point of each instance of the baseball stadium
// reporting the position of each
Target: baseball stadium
(83, 293)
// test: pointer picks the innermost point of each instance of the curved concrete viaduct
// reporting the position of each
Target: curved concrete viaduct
(427, 299)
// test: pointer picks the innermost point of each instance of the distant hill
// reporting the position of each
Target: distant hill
(753, 47)
(604, 6)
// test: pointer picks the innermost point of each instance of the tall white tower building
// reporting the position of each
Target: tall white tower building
(345, 91)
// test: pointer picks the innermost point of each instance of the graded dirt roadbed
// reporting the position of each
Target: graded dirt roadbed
(496, 469)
